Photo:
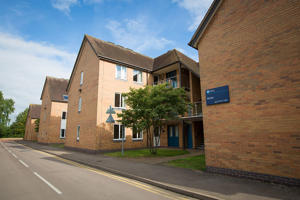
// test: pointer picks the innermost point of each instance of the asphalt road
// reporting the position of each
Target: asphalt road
(29, 174)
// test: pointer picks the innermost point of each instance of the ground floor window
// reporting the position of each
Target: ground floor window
(62, 133)
(119, 131)
(137, 135)
(78, 133)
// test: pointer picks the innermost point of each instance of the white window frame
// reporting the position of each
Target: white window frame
(123, 73)
(81, 78)
(119, 139)
(136, 72)
(62, 114)
(121, 100)
(78, 133)
(60, 135)
(141, 138)
(79, 104)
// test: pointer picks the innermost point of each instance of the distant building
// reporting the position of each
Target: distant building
(53, 111)
(104, 71)
(253, 47)
(32, 115)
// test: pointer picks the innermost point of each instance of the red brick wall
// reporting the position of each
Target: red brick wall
(254, 47)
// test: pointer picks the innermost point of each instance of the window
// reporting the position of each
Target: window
(78, 133)
(155, 80)
(79, 104)
(171, 78)
(137, 76)
(65, 97)
(81, 78)
(64, 115)
(119, 132)
(121, 72)
(62, 133)
(137, 135)
(119, 100)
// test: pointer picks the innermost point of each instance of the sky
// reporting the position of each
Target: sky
(42, 38)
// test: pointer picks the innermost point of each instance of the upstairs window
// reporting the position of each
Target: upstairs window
(121, 72)
(119, 100)
(81, 78)
(119, 132)
(137, 135)
(137, 76)
(64, 115)
(79, 104)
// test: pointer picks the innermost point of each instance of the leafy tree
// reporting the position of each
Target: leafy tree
(17, 129)
(6, 108)
(37, 125)
(151, 106)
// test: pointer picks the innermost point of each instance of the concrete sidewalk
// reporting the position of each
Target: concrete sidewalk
(193, 183)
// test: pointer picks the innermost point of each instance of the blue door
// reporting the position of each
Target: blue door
(173, 136)
(190, 136)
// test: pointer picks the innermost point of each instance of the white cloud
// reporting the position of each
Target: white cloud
(24, 66)
(64, 5)
(196, 8)
(135, 34)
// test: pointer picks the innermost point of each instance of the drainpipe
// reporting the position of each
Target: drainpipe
(179, 74)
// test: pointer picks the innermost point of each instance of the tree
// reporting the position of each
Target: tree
(6, 108)
(37, 125)
(151, 106)
(17, 129)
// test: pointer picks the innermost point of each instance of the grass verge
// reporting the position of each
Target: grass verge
(194, 162)
(146, 153)
(57, 145)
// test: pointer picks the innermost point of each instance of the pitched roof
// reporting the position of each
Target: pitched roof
(57, 88)
(34, 111)
(204, 23)
(113, 52)
(174, 56)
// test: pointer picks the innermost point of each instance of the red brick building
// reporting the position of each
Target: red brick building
(254, 48)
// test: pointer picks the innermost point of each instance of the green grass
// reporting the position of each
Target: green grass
(194, 162)
(146, 153)
(57, 145)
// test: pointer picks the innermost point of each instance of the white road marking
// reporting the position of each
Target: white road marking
(23, 163)
(49, 184)
(14, 155)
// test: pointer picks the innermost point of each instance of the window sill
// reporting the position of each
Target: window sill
(137, 139)
(120, 79)
(62, 137)
(119, 140)
(119, 108)
(138, 83)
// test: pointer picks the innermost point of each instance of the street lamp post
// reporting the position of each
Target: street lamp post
(111, 120)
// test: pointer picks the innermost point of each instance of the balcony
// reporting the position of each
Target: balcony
(195, 109)
(169, 81)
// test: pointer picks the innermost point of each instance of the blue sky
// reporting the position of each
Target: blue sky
(39, 38)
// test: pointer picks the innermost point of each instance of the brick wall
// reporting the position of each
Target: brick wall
(50, 119)
(254, 47)
(30, 133)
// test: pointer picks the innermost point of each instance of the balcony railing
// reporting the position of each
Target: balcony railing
(195, 109)
(169, 81)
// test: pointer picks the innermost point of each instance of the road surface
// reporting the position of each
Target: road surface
(29, 174)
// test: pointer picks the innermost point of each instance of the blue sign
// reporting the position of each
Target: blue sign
(217, 95)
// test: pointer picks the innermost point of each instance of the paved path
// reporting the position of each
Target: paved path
(218, 186)
(27, 174)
